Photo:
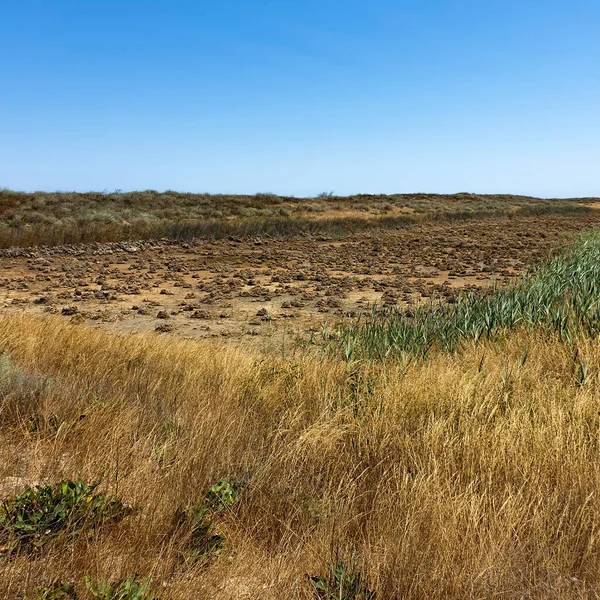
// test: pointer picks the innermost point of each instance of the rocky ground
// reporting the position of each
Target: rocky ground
(257, 289)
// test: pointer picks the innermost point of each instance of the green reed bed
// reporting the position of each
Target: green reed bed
(562, 296)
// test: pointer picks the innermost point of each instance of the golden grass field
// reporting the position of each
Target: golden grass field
(472, 475)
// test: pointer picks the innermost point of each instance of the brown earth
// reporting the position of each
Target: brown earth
(259, 289)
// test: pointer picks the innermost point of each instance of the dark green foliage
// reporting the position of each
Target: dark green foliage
(555, 208)
(201, 541)
(41, 514)
(198, 519)
(126, 589)
(59, 590)
(563, 296)
(342, 583)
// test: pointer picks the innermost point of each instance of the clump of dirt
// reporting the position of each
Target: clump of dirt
(261, 287)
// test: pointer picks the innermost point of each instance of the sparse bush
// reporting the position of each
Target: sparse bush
(199, 516)
(566, 210)
(60, 590)
(222, 495)
(201, 541)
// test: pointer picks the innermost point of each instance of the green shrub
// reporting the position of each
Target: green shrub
(201, 541)
(565, 210)
(221, 496)
(127, 589)
(41, 514)
(342, 583)
(198, 519)
(60, 590)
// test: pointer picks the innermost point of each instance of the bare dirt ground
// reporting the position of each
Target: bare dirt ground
(258, 289)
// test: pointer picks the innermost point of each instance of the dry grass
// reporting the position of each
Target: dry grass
(464, 476)
(42, 218)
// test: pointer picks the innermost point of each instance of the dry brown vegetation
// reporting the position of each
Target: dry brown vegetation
(42, 218)
(464, 476)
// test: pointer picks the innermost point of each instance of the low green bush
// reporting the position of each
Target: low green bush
(126, 589)
(341, 583)
(198, 519)
(59, 590)
(41, 514)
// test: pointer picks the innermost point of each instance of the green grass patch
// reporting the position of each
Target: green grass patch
(563, 296)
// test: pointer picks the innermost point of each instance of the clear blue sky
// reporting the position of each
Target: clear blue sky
(301, 96)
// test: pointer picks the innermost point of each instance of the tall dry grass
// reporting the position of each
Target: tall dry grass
(472, 475)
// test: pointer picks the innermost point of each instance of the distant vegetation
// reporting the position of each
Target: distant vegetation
(41, 218)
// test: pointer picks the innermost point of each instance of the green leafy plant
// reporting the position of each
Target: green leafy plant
(562, 297)
(59, 590)
(222, 495)
(342, 583)
(202, 542)
(40, 514)
(126, 589)
(198, 518)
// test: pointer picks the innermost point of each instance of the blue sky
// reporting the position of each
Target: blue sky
(301, 96)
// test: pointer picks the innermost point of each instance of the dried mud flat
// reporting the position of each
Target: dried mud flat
(257, 289)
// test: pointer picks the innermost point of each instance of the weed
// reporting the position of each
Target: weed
(59, 590)
(563, 296)
(41, 514)
(342, 583)
(221, 496)
(202, 542)
(199, 516)
(126, 589)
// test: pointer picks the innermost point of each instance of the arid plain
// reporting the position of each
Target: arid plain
(257, 397)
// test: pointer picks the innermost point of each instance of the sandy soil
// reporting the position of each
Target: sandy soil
(261, 289)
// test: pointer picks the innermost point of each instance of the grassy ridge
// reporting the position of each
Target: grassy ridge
(562, 296)
(40, 218)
